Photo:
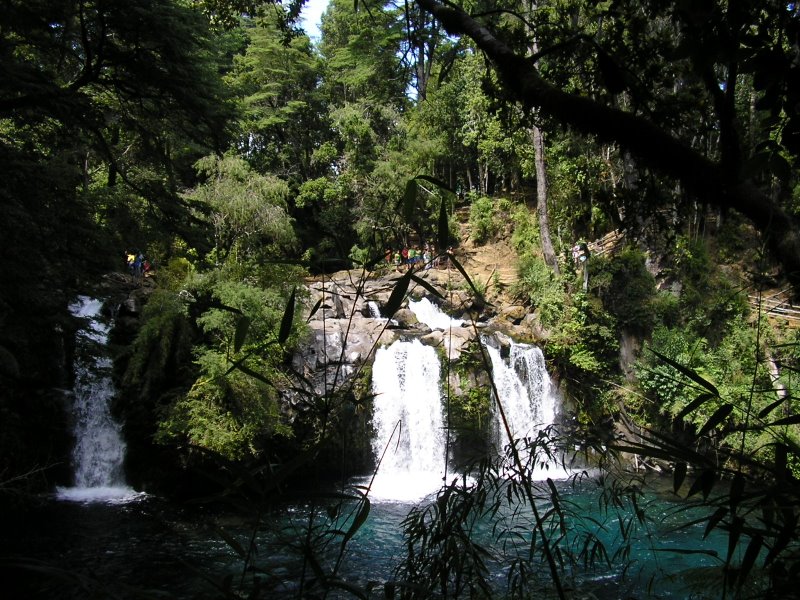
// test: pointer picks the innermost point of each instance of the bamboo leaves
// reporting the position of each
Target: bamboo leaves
(678, 475)
(744, 484)
(398, 293)
(718, 417)
(711, 393)
(443, 226)
(688, 372)
(409, 205)
(694, 405)
(242, 327)
(288, 318)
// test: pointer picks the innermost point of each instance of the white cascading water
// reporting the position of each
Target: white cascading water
(408, 422)
(428, 313)
(99, 449)
(374, 309)
(528, 400)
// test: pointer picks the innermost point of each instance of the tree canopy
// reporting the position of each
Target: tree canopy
(244, 159)
(730, 66)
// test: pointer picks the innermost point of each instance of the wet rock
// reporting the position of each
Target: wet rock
(434, 338)
(455, 341)
(348, 326)
(405, 318)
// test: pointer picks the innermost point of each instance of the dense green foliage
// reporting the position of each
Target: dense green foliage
(104, 107)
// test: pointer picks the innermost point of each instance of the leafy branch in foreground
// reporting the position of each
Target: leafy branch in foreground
(496, 518)
(750, 494)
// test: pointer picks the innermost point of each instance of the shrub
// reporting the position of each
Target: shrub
(526, 231)
(481, 219)
(541, 288)
(627, 289)
(668, 390)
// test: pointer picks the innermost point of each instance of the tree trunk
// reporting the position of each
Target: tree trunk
(654, 146)
(541, 178)
(541, 200)
(111, 180)
(86, 172)
(422, 71)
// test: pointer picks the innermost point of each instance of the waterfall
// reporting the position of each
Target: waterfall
(408, 422)
(429, 313)
(374, 309)
(527, 397)
(99, 449)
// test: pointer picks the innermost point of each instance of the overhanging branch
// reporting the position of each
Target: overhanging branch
(653, 145)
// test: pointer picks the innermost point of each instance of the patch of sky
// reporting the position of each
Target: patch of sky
(311, 16)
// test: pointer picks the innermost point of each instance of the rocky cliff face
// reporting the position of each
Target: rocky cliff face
(347, 323)
(350, 322)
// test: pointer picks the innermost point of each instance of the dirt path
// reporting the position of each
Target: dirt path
(493, 265)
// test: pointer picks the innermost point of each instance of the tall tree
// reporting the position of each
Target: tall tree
(131, 86)
(715, 45)
(361, 49)
(424, 40)
(283, 120)
(109, 91)
(537, 138)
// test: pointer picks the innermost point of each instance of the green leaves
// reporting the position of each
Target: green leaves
(288, 318)
(477, 291)
(694, 405)
(409, 200)
(359, 520)
(793, 420)
(718, 417)
(704, 483)
(428, 287)
(714, 520)
(398, 294)
(678, 476)
(716, 461)
(690, 373)
(248, 210)
(242, 327)
(443, 226)
(409, 205)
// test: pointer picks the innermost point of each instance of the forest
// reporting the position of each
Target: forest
(244, 160)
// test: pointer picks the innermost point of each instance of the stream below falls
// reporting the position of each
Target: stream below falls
(145, 547)
(101, 539)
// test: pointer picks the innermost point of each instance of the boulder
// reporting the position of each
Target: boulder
(434, 338)
(350, 341)
(514, 313)
(454, 341)
(405, 318)
(348, 326)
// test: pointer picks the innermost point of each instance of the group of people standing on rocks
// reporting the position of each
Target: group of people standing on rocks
(580, 256)
(417, 257)
(580, 252)
(138, 265)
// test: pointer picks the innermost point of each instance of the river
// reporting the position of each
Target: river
(101, 539)
(147, 547)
